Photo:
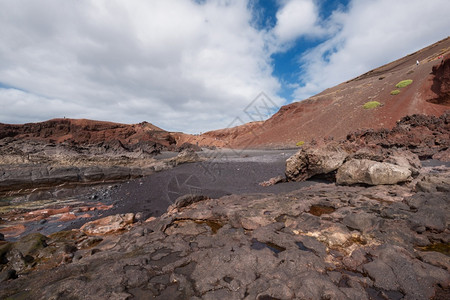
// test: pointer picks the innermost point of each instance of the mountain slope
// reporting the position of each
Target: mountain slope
(339, 110)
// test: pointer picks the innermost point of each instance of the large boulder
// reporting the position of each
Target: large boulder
(371, 172)
(313, 161)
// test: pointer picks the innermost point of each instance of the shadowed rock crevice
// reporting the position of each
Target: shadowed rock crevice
(441, 82)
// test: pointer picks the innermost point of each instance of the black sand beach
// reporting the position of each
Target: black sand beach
(225, 172)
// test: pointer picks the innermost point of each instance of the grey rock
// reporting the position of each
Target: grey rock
(382, 275)
(312, 161)
(405, 158)
(434, 183)
(116, 173)
(93, 173)
(360, 221)
(188, 199)
(64, 174)
(436, 259)
(371, 172)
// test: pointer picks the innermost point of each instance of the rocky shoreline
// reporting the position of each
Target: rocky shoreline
(72, 168)
(323, 241)
(379, 229)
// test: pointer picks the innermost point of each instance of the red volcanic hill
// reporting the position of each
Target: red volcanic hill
(333, 113)
(83, 132)
(340, 110)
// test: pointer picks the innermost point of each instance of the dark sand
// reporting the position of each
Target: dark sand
(226, 172)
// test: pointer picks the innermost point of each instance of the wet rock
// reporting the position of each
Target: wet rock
(108, 224)
(312, 161)
(371, 172)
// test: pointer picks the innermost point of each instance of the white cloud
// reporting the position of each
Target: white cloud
(372, 33)
(188, 65)
(297, 18)
(179, 64)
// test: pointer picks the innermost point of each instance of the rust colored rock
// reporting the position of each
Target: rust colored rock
(107, 225)
(84, 216)
(47, 212)
(67, 217)
(13, 231)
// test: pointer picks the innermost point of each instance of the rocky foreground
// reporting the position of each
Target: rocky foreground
(320, 242)
(378, 230)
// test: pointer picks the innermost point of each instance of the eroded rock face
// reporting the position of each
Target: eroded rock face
(371, 172)
(425, 136)
(441, 82)
(313, 161)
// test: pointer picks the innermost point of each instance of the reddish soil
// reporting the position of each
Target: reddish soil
(339, 110)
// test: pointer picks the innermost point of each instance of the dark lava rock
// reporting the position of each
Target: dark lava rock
(187, 200)
(231, 248)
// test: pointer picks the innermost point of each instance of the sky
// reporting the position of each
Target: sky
(195, 65)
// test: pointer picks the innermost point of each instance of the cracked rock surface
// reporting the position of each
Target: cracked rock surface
(319, 242)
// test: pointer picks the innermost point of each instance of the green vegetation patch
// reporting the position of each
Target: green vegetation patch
(371, 104)
(299, 144)
(395, 92)
(404, 83)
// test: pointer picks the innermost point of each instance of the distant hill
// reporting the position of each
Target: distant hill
(340, 110)
(83, 132)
